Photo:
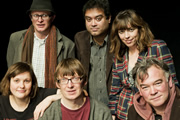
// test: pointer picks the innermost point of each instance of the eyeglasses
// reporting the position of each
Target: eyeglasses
(43, 16)
(65, 81)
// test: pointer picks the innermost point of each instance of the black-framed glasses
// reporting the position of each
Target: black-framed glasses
(43, 16)
(65, 81)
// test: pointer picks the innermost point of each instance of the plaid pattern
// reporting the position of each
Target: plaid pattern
(121, 94)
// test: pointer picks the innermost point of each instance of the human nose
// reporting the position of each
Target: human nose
(153, 90)
(22, 84)
(40, 18)
(93, 23)
(126, 34)
(69, 83)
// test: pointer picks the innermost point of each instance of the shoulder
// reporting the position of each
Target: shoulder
(18, 33)
(55, 107)
(98, 105)
(158, 42)
(132, 114)
(82, 34)
(62, 37)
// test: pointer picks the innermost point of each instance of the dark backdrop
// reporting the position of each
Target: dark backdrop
(163, 19)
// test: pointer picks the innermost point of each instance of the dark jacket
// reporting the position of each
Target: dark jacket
(83, 52)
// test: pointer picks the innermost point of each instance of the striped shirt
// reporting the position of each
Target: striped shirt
(122, 91)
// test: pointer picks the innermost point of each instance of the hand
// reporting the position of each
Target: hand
(43, 105)
(113, 117)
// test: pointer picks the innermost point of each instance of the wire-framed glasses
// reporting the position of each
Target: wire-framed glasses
(43, 16)
(65, 81)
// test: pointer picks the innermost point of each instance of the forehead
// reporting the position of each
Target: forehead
(40, 12)
(23, 75)
(154, 74)
(94, 12)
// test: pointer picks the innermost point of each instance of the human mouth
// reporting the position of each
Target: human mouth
(40, 25)
(156, 98)
(21, 91)
(71, 92)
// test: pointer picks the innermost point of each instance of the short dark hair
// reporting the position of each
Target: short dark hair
(99, 4)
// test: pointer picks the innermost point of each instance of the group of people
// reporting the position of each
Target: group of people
(109, 71)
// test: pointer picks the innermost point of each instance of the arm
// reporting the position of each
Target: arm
(10, 52)
(43, 105)
(164, 54)
(115, 89)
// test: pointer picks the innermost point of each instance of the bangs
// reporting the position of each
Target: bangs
(70, 69)
(125, 23)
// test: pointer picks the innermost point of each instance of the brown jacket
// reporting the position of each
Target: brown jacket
(83, 52)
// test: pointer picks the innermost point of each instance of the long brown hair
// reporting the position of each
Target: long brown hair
(121, 22)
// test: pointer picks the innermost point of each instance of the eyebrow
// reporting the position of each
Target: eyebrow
(159, 80)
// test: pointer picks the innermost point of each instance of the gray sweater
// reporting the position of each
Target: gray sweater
(99, 111)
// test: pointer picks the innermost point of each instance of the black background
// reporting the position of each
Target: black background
(163, 18)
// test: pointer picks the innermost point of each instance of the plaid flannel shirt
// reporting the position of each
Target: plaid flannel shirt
(121, 94)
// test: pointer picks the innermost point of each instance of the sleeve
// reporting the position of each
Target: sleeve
(115, 89)
(164, 54)
(44, 92)
(10, 51)
(77, 53)
(71, 51)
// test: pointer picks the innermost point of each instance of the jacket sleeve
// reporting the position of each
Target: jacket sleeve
(115, 90)
(10, 51)
(164, 54)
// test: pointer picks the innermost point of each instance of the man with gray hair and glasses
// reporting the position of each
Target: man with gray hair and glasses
(158, 97)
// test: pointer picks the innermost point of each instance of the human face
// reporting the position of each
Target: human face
(129, 36)
(20, 85)
(42, 26)
(155, 88)
(96, 22)
(70, 91)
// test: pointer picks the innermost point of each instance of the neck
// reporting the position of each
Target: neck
(133, 50)
(100, 39)
(73, 104)
(42, 35)
(19, 104)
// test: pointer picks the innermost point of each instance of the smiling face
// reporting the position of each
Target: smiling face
(20, 85)
(155, 88)
(129, 36)
(42, 26)
(96, 22)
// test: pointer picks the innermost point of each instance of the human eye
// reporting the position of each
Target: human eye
(144, 87)
(35, 15)
(99, 18)
(120, 31)
(88, 19)
(131, 29)
(158, 83)
(16, 80)
(76, 78)
(44, 15)
(27, 81)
